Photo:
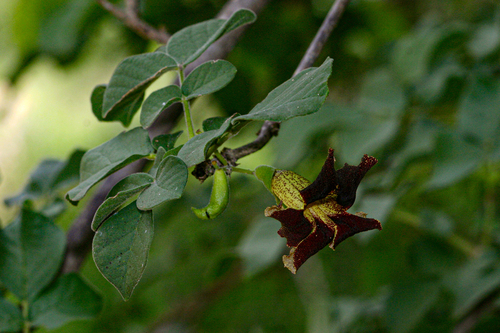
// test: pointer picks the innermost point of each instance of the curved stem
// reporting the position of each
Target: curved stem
(242, 170)
(220, 157)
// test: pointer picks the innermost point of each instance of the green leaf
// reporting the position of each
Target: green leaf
(170, 180)
(413, 55)
(265, 174)
(69, 298)
(121, 247)
(53, 209)
(260, 246)
(208, 78)
(161, 154)
(167, 141)
(303, 94)
(186, 45)
(132, 76)
(475, 281)
(455, 159)
(485, 40)
(96, 99)
(157, 102)
(433, 86)
(408, 304)
(213, 123)
(64, 31)
(31, 251)
(11, 318)
(105, 159)
(49, 176)
(478, 113)
(119, 194)
(128, 110)
(196, 149)
(381, 94)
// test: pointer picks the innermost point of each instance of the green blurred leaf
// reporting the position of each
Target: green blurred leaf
(454, 159)
(167, 141)
(69, 298)
(486, 39)
(207, 78)
(157, 102)
(170, 180)
(121, 246)
(301, 95)
(478, 113)
(53, 209)
(414, 54)
(214, 123)
(132, 76)
(477, 280)
(11, 318)
(49, 176)
(434, 85)
(28, 17)
(196, 149)
(105, 159)
(31, 251)
(62, 32)
(437, 222)
(433, 256)
(381, 94)
(186, 45)
(119, 194)
(408, 303)
(260, 246)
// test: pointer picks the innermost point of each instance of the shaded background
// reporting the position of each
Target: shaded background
(415, 84)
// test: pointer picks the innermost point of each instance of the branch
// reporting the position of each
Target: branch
(271, 128)
(131, 19)
(330, 22)
(79, 237)
(266, 132)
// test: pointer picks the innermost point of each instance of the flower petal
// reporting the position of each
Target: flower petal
(349, 225)
(295, 227)
(286, 185)
(325, 183)
(321, 235)
(349, 177)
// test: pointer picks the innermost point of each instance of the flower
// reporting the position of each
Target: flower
(315, 213)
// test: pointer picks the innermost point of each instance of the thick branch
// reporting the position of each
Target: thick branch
(130, 18)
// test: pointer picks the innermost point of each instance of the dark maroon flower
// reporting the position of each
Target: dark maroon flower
(315, 214)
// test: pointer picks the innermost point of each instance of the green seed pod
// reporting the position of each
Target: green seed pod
(219, 197)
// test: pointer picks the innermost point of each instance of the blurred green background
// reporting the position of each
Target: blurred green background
(415, 84)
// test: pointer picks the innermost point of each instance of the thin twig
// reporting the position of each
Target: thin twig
(267, 131)
(330, 22)
(130, 18)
